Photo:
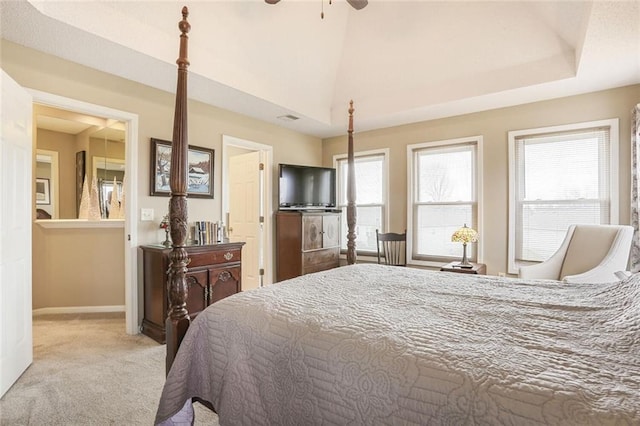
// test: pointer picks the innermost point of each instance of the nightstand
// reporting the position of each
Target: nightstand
(477, 269)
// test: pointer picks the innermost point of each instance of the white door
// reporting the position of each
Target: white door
(16, 187)
(244, 214)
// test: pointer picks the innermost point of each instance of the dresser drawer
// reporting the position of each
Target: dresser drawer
(319, 260)
(213, 257)
(319, 267)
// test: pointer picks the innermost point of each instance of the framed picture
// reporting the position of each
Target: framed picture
(200, 170)
(42, 191)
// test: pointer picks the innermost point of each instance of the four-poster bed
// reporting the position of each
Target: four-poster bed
(178, 319)
(376, 344)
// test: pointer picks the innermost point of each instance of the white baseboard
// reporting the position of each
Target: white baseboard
(78, 310)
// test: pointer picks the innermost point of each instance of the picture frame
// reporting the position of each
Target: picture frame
(200, 163)
(43, 196)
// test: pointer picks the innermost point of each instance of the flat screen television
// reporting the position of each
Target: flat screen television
(306, 187)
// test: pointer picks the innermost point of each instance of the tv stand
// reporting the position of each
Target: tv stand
(308, 208)
(306, 242)
(319, 210)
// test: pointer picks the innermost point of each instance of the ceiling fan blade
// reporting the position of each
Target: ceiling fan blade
(272, 1)
(358, 4)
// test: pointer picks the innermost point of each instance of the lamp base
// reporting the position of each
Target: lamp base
(464, 263)
(167, 242)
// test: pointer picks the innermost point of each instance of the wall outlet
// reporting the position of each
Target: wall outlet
(502, 274)
(146, 215)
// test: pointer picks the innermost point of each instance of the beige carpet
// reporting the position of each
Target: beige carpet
(88, 371)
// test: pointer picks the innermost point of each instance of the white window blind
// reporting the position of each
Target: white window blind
(561, 178)
(371, 184)
(444, 191)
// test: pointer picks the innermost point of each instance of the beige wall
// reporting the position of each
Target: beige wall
(207, 125)
(78, 267)
(494, 127)
(155, 109)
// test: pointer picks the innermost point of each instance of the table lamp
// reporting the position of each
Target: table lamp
(164, 224)
(464, 235)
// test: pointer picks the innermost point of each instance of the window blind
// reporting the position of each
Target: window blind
(562, 178)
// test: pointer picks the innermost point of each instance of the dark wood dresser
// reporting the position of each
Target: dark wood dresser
(306, 242)
(214, 273)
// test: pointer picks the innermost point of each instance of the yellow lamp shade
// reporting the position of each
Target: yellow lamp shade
(465, 235)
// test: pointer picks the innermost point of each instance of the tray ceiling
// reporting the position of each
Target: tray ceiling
(400, 61)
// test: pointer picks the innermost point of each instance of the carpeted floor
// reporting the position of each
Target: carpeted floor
(88, 371)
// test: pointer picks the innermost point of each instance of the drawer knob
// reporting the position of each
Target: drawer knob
(224, 276)
(228, 255)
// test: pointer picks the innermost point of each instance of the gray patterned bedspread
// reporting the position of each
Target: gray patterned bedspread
(373, 345)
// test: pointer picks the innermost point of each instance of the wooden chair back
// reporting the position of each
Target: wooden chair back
(392, 248)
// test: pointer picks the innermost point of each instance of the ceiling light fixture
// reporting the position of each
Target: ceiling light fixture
(356, 4)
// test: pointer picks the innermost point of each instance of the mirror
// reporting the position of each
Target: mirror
(46, 173)
(81, 147)
(108, 171)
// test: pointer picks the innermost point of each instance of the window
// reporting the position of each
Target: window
(444, 187)
(559, 176)
(371, 197)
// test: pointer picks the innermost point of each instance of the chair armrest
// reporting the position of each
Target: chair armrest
(548, 270)
(614, 262)
(599, 274)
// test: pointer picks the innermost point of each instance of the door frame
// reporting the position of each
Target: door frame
(265, 194)
(130, 189)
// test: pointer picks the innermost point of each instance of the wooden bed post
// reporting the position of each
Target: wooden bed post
(178, 317)
(351, 195)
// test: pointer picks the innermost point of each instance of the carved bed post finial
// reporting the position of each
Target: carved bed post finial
(178, 317)
(351, 194)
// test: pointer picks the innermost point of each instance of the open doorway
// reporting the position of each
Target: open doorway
(246, 206)
(112, 136)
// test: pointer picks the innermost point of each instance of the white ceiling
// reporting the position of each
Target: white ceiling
(400, 61)
(116, 133)
(73, 123)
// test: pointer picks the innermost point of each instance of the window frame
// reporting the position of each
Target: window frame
(411, 196)
(513, 266)
(384, 152)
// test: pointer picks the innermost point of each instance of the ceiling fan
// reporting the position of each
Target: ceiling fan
(356, 4)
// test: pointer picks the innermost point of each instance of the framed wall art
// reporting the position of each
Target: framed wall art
(42, 191)
(200, 173)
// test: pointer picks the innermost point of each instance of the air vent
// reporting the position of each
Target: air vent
(288, 117)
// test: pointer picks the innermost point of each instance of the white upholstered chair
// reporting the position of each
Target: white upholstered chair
(589, 253)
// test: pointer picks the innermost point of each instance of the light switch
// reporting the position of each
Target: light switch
(146, 215)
